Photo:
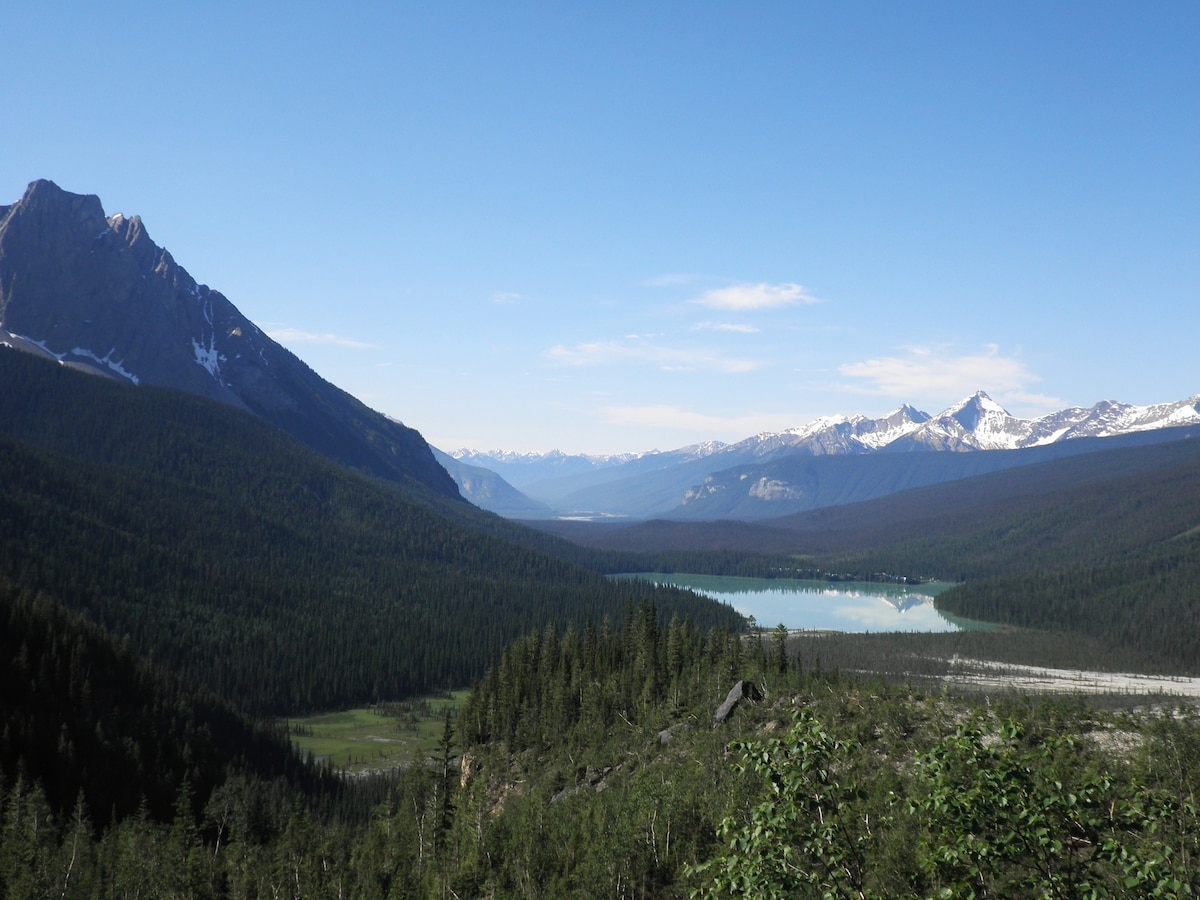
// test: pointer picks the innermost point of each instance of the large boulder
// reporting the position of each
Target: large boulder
(743, 690)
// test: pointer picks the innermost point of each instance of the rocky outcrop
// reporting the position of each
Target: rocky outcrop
(594, 780)
(668, 734)
(742, 691)
(97, 293)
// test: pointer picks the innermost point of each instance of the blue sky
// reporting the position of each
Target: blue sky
(609, 227)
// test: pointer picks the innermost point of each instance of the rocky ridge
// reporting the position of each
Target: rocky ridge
(96, 293)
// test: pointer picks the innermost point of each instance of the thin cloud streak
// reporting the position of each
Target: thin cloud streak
(634, 350)
(508, 298)
(288, 336)
(730, 327)
(935, 372)
(750, 297)
(675, 280)
(732, 428)
(1042, 402)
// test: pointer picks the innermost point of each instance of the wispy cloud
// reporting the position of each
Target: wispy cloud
(1035, 402)
(287, 336)
(508, 298)
(678, 279)
(725, 326)
(926, 371)
(749, 297)
(730, 428)
(636, 350)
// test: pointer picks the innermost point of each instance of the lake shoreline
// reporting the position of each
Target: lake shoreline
(811, 606)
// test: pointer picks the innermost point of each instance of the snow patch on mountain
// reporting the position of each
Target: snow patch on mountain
(208, 357)
(106, 360)
(74, 355)
(837, 434)
(976, 423)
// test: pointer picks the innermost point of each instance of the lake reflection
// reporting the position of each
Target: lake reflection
(856, 606)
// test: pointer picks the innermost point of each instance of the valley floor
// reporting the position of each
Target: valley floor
(979, 673)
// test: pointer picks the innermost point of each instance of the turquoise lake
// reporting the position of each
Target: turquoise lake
(851, 606)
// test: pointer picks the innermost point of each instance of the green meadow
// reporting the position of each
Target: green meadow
(384, 736)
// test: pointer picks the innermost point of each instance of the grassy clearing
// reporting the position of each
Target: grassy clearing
(386, 736)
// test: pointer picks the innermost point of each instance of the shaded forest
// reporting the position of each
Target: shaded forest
(246, 564)
(89, 722)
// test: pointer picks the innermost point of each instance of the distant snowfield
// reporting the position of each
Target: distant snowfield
(983, 673)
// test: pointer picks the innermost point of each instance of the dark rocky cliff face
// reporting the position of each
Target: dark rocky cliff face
(97, 293)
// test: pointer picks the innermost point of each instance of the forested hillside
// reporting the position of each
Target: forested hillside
(1116, 559)
(246, 564)
(91, 724)
(590, 764)
(934, 513)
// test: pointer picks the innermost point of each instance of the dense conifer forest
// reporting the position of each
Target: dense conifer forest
(246, 564)
(89, 722)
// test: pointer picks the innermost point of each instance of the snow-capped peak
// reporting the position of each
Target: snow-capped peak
(979, 423)
(983, 402)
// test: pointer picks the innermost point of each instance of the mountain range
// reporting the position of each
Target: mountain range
(830, 461)
(95, 293)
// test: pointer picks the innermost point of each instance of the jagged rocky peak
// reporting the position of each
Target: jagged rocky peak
(150, 257)
(834, 434)
(49, 217)
(45, 194)
(52, 219)
(971, 411)
(129, 229)
(96, 292)
(906, 413)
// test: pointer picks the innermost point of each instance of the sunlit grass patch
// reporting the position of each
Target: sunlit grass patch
(385, 736)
